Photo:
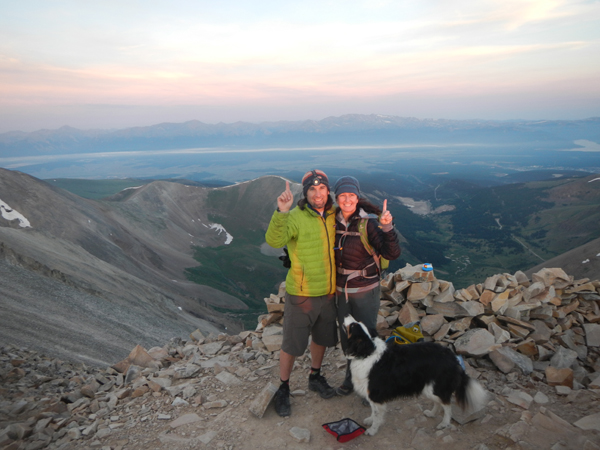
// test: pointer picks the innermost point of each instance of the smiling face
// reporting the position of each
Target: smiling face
(347, 203)
(317, 197)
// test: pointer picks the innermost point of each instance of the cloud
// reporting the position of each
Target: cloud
(231, 53)
(511, 15)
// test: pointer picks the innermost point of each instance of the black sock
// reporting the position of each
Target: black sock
(315, 372)
(285, 383)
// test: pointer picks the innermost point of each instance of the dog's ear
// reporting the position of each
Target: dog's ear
(373, 332)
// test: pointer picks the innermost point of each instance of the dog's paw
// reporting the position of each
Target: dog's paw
(368, 420)
(428, 413)
(371, 431)
(443, 426)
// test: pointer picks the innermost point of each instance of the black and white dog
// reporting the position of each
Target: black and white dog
(383, 372)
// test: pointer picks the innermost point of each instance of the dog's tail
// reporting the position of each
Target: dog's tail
(470, 394)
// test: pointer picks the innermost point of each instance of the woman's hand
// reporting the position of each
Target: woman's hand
(386, 217)
(286, 199)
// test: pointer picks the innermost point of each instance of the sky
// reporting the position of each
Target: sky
(117, 64)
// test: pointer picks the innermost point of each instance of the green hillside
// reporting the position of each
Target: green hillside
(486, 230)
(504, 229)
(240, 269)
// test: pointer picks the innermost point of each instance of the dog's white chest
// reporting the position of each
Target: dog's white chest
(361, 368)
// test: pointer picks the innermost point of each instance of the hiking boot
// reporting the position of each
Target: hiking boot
(347, 387)
(319, 384)
(344, 390)
(282, 401)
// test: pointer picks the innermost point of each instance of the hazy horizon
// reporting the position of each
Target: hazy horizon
(257, 122)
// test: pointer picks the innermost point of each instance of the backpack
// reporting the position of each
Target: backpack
(410, 334)
(407, 334)
(382, 263)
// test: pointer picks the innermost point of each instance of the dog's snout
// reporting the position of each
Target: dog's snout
(348, 320)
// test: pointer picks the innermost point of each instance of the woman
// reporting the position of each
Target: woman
(358, 262)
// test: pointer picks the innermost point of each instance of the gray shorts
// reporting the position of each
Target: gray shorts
(308, 316)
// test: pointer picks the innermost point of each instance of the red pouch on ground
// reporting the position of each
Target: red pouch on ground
(344, 430)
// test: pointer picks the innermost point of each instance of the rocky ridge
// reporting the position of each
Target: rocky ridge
(532, 343)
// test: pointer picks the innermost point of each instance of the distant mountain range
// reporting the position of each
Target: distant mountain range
(352, 129)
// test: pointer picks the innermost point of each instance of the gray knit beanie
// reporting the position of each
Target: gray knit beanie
(347, 185)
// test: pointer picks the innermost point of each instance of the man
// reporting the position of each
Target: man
(308, 230)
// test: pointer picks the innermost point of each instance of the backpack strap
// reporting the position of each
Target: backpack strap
(362, 230)
(356, 273)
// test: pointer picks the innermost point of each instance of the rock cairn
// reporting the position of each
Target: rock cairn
(548, 327)
(516, 334)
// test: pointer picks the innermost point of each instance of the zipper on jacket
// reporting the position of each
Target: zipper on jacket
(324, 219)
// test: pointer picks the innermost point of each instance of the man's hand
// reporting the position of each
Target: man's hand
(286, 199)
(386, 217)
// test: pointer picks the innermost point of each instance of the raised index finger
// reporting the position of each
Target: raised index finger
(287, 185)
(385, 205)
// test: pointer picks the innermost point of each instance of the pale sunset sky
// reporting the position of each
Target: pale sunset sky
(117, 64)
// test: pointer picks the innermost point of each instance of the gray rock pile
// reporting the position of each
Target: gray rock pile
(534, 344)
(547, 327)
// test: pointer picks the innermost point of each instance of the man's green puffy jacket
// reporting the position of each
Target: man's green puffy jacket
(309, 238)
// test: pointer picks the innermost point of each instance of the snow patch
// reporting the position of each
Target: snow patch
(239, 183)
(221, 229)
(595, 179)
(10, 214)
(423, 207)
(585, 262)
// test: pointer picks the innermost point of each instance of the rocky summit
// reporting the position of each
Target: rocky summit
(532, 343)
